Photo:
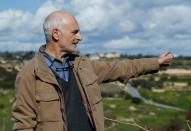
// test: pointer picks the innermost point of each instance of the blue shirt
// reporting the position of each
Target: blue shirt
(60, 68)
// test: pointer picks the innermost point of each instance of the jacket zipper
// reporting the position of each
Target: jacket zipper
(89, 107)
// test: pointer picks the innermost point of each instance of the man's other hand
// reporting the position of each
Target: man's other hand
(165, 58)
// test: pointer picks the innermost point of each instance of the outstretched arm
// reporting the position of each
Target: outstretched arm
(125, 69)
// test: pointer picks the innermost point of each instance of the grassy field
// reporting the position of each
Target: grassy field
(147, 116)
(6, 101)
(116, 108)
(181, 99)
(119, 106)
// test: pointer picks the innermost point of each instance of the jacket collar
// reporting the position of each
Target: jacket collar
(44, 72)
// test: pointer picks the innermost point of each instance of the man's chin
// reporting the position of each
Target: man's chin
(69, 51)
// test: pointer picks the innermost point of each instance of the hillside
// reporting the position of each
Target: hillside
(170, 86)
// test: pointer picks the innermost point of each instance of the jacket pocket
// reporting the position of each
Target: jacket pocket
(47, 96)
(93, 92)
(50, 126)
(89, 79)
(48, 105)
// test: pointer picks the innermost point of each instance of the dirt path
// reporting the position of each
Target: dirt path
(176, 72)
(134, 93)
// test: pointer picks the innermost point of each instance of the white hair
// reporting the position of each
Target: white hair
(51, 23)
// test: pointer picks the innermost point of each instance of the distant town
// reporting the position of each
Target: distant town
(16, 60)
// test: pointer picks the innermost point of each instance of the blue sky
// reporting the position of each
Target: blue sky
(128, 27)
(25, 5)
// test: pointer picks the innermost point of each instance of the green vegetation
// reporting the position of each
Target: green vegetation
(147, 116)
(174, 90)
(110, 90)
(181, 63)
(115, 108)
(160, 81)
(7, 78)
(6, 101)
(159, 119)
(6, 98)
(179, 99)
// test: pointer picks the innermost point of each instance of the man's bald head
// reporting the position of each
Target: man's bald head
(60, 14)
(57, 20)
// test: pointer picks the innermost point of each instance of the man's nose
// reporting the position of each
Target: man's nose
(79, 36)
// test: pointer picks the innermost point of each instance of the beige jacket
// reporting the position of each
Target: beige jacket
(39, 105)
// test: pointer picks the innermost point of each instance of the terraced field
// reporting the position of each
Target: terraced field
(170, 87)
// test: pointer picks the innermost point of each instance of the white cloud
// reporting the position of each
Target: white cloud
(98, 14)
(19, 46)
(126, 26)
(13, 19)
(43, 11)
(17, 25)
(124, 42)
(140, 26)
(92, 18)
(169, 18)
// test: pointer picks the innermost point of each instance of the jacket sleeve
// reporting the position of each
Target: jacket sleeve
(24, 106)
(125, 69)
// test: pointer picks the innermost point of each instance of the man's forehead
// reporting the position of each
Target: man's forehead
(66, 18)
(72, 23)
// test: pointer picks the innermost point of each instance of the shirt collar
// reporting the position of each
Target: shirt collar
(51, 60)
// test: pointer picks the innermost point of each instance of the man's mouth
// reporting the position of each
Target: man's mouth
(75, 42)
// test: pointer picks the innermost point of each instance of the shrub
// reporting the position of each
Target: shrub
(175, 124)
(109, 115)
(143, 83)
(136, 100)
(127, 96)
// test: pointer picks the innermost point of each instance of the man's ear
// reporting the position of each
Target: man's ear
(55, 34)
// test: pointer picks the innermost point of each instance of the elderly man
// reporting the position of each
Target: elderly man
(58, 89)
